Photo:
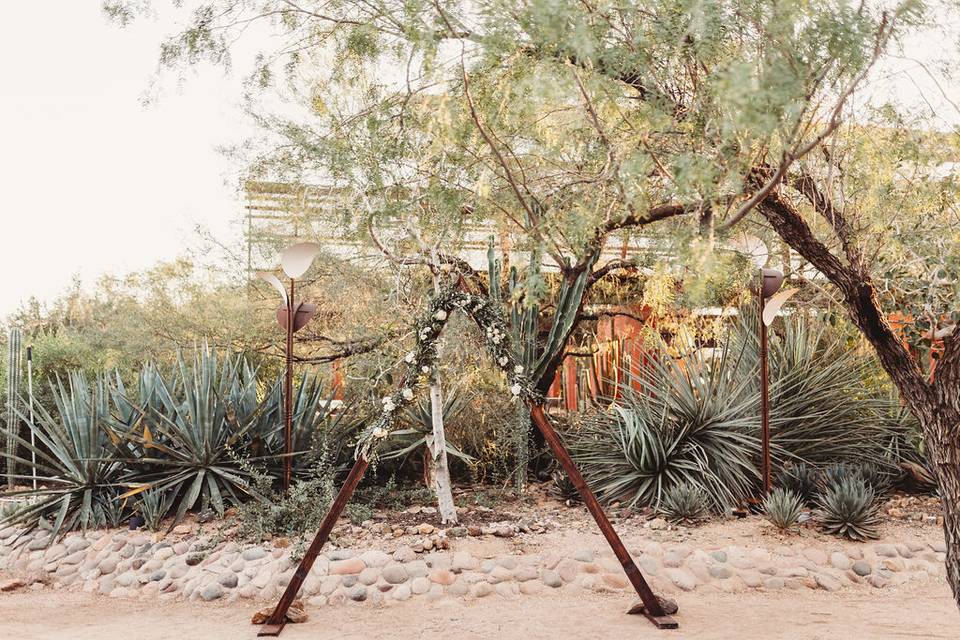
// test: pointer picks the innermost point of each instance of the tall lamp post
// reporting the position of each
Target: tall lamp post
(770, 282)
(291, 316)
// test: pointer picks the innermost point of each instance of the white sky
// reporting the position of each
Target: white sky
(93, 182)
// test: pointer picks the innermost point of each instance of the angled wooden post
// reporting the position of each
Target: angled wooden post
(278, 618)
(652, 607)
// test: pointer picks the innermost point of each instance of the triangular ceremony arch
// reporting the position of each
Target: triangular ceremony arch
(419, 364)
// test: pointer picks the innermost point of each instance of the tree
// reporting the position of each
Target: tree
(573, 125)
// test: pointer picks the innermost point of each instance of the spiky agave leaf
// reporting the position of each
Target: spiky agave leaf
(849, 509)
(153, 506)
(684, 502)
(78, 465)
(687, 420)
(783, 508)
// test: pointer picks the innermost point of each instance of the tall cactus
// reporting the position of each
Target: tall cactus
(539, 358)
(536, 356)
(13, 399)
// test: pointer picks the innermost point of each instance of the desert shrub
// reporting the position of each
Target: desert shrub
(293, 514)
(684, 502)
(849, 509)
(782, 508)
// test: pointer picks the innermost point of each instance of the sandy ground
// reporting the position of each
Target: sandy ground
(921, 611)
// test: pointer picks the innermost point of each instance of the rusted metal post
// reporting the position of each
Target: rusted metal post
(765, 467)
(652, 607)
(288, 396)
(278, 618)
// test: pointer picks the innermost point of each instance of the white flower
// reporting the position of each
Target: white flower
(516, 389)
(380, 433)
(518, 369)
(425, 332)
(388, 405)
(440, 315)
(410, 357)
(503, 361)
(425, 369)
(496, 339)
(408, 394)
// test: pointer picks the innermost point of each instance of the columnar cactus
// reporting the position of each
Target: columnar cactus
(13, 398)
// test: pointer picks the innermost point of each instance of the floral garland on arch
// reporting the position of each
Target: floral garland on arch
(421, 361)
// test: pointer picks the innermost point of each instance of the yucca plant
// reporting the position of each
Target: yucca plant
(684, 502)
(820, 410)
(849, 509)
(783, 508)
(78, 465)
(192, 437)
(799, 478)
(689, 421)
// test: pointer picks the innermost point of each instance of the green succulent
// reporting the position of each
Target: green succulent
(782, 508)
(154, 506)
(849, 509)
(684, 502)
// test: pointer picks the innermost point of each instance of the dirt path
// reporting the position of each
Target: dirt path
(923, 611)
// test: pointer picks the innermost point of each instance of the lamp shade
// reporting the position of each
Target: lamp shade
(274, 282)
(771, 282)
(296, 259)
(303, 312)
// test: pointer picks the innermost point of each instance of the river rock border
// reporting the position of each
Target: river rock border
(131, 564)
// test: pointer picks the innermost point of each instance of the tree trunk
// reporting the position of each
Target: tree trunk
(438, 453)
(442, 486)
(942, 450)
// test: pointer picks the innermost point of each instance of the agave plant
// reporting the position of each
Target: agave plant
(684, 502)
(153, 506)
(849, 509)
(193, 437)
(783, 508)
(79, 468)
(680, 422)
